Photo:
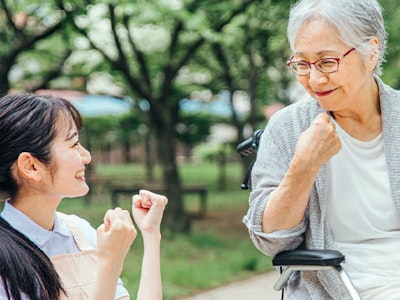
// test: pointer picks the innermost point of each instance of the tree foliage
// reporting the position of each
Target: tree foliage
(391, 69)
(29, 31)
(149, 43)
(194, 128)
(249, 56)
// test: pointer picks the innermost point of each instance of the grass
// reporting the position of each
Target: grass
(217, 251)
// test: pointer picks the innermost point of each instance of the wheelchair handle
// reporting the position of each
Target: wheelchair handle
(246, 148)
(250, 145)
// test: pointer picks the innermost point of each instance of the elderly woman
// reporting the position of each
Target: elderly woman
(327, 175)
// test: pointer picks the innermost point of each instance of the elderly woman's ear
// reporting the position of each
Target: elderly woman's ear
(374, 56)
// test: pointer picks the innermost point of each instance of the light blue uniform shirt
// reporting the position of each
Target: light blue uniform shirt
(55, 242)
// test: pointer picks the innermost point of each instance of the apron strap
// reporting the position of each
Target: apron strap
(79, 238)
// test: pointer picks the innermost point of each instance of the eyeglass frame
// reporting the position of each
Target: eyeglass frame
(309, 64)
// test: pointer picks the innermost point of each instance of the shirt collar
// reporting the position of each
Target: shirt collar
(33, 231)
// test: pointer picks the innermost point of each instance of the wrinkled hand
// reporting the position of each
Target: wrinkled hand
(115, 236)
(318, 143)
(147, 210)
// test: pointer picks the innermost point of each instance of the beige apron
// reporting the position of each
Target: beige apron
(77, 270)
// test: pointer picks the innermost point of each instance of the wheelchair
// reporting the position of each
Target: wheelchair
(289, 261)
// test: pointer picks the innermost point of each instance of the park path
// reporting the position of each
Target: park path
(255, 288)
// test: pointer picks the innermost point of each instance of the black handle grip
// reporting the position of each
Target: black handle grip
(250, 145)
(245, 148)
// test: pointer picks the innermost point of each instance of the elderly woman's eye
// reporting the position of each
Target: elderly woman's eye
(328, 62)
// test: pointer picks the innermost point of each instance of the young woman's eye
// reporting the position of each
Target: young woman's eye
(76, 144)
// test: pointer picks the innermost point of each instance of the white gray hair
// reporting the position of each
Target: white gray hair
(357, 21)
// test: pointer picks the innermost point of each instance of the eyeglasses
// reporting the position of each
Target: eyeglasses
(324, 65)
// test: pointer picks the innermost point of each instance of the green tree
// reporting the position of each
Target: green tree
(149, 43)
(127, 125)
(194, 128)
(250, 56)
(95, 130)
(25, 52)
(249, 60)
(391, 69)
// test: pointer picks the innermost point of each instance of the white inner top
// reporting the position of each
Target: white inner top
(363, 219)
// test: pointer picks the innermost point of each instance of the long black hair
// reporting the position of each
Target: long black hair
(25, 268)
(28, 124)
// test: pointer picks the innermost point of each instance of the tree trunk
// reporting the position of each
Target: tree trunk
(149, 161)
(222, 170)
(126, 145)
(148, 158)
(175, 218)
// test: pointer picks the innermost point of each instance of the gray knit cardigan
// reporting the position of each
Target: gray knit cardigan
(276, 150)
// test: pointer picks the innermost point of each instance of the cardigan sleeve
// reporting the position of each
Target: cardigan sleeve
(276, 149)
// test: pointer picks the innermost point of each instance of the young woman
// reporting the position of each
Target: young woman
(48, 255)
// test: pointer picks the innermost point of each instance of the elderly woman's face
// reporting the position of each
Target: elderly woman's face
(334, 91)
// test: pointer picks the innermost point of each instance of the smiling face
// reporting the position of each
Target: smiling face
(339, 91)
(69, 157)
